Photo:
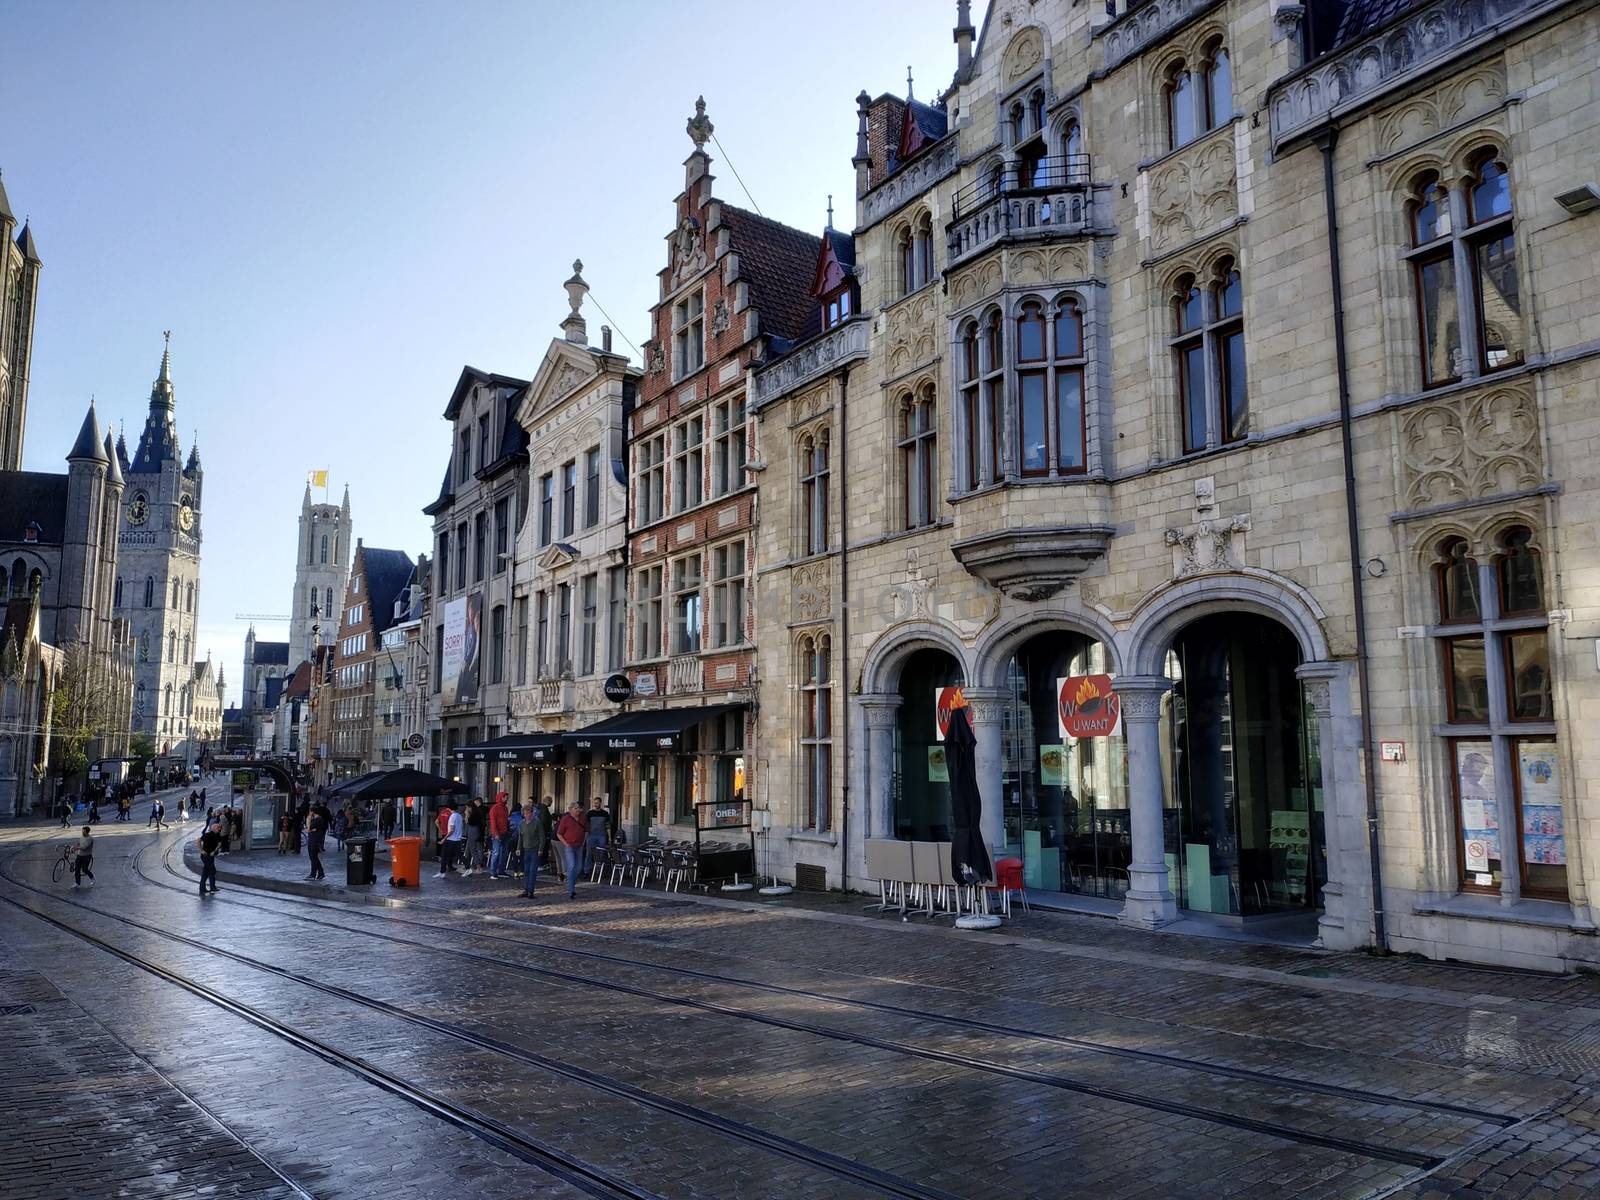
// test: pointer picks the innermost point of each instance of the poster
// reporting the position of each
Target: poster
(463, 625)
(1543, 825)
(1480, 812)
(1087, 707)
(945, 700)
(1053, 766)
(938, 765)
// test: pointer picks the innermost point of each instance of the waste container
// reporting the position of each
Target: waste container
(405, 861)
(359, 856)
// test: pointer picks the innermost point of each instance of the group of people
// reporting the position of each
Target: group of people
(511, 841)
(311, 823)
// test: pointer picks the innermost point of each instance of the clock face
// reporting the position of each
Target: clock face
(186, 518)
(138, 509)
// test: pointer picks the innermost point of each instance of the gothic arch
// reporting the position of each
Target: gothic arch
(1000, 642)
(1163, 613)
(880, 670)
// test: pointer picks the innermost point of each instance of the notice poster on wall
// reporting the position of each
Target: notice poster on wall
(1086, 706)
(1543, 825)
(463, 621)
(938, 765)
(1053, 766)
(1480, 813)
(945, 701)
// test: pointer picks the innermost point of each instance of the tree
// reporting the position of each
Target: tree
(85, 707)
(142, 746)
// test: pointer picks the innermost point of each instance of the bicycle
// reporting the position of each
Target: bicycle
(63, 864)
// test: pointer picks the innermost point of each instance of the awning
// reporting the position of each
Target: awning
(513, 747)
(648, 732)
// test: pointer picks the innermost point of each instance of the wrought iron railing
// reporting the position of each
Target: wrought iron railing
(1042, 174)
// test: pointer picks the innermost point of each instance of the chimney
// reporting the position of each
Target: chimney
(964, 34)
(605, 338)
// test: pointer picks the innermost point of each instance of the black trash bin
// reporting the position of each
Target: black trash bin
(359, 856)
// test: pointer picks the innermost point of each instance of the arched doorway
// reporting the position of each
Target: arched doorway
(1065, 793)
(921, 785)
(1242, 770)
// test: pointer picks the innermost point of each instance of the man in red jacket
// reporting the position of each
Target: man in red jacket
(441, 822)
(499, 837)
(570, 834)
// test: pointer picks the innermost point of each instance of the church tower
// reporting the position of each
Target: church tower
(159, 563)
(322, 565)
(19, 293)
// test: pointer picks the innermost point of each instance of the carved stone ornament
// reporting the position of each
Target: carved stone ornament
(688, 251)
(1141, 697)
(720, 316)
(1208, 546)
(1464, 448)
(808, 590)
(1033, 564)
(910, 599)
(1024, 54)
(1468, 95)
(1193, 192)
(655, 359)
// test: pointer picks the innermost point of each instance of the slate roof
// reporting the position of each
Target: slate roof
(513, 437)
(274, 690)
(30, 249)
(386, 571)
(470, 378)
(844, 248)
(447, 491)
(779, 263)
(114, 464)
(272, 654)
(88, 443)
(29, 497)
(5, 202)
(1363, 16)
(299, 686)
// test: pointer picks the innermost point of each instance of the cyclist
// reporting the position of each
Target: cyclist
(82, 864)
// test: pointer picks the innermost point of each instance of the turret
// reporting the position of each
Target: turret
(87, 466)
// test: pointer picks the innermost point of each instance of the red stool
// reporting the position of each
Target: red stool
(1008, 879)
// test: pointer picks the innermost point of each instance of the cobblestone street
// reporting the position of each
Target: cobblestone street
(634, 1043)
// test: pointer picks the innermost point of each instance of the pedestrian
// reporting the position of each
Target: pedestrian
(499, 836)
(225, 828)
(451, 843)
(155, 809)
(83, 864)
(316, 834)
(386, 819)
(528, 837)
(547, 823)
(283, 833)
(183, 811)
(441, 825)
(339, 824)
(514, 821)
(475, 830)
(570, 833)
(297, 826)
(597, 830)
(64, 811)
(209, 842)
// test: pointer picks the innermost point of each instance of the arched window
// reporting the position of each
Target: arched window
(188, 597)
(1182, 123)
(1072, 149)
(1521, 574)
(149, 591)
(1219, 85)
(908, 261)
(1456, 581)
(814, 478)
(144, 646)
(1189, 323)
(922, 249)
(919, 455)
(116, 600)
(1019, 122)
(1228, 304)
(327, 602)
(1209, 355)
(172, 647)
(971, 408)
(1036, 111)
(324, 547)
(176, 592)
(311, 604)
(816, 733)
(166, 700)
(185, 658)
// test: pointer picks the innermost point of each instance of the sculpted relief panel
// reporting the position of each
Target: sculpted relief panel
(1421, 117)
(910, 330)
(1194, 192)
(1465, 448)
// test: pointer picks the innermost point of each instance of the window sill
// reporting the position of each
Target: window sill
(1542, 914)
(815, 839)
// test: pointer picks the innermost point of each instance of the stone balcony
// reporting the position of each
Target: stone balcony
(555, 696)
(847, 342)
(685, 674)
(1057, 200)
(1031, 540)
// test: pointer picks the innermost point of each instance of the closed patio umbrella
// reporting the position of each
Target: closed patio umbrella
(969, 857)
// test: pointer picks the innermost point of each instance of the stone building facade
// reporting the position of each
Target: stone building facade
(158, 582)
(1238, 354)
(266, 671)
(321, 571)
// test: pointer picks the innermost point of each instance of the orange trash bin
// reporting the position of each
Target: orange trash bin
(405, 862)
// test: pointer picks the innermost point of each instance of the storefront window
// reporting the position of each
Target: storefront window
(921, 782)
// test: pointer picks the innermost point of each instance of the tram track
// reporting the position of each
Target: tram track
(1354, 1146)
(1244, 1074)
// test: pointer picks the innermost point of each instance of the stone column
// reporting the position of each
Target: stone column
(986, 707)
(1150, 902)
(879, 712)
(1346, 920)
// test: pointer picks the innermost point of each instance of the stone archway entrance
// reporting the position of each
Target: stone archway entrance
(920, 788)
(1243, 817)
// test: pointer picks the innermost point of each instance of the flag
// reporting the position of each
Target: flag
(319, 479)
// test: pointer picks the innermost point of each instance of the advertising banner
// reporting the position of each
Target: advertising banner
(1086, 706)
(945, 700)
(463, 627)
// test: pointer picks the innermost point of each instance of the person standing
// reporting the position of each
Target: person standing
(209, 842)
(316, 835)
(441, 825)
(386, 818)
(450, 846)
(547, 823)
(570, 833)
(597, 823)
(84, 862)
(528, 839)
(283, 833)
(499, 836)
(475, 823)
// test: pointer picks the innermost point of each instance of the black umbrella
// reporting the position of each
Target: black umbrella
(969, 857)
(391, 785)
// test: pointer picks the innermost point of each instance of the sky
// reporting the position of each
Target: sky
(334, 206)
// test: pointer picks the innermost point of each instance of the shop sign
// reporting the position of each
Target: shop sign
(664, 743)
(617, 688)
(414, 742)
(1086, 706)
(644, 685)
(945, 701)
(728, 814)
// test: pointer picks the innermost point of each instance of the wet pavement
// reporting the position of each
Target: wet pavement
(634, 1043)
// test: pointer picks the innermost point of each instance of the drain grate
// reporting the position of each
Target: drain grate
(17, 1010)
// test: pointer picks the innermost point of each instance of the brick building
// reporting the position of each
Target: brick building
(377, 579)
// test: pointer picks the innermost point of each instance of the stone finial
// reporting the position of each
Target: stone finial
(863, 149)
(700, 127)
(574, 327)
(830, 210)
(909, 95)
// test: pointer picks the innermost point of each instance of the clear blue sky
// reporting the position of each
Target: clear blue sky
(334, 206)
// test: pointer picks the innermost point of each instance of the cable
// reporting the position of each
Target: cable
(737, 176)
(614, 324)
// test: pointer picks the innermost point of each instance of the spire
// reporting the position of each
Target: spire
(193, 464)
(122, 452)
(830, 211)
(30, 251)
(346, 504)
(964, 34)
(166, 357)
(574, 327)
(114, 473)
(909, 96)
(305, 501)
(5, 202)
(161, 390)
(88, 447)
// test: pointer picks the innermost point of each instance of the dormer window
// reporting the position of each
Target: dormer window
(836, 307)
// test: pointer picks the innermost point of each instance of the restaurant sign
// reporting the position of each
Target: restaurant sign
(1086, 706)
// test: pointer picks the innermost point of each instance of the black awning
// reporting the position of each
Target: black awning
(647, 732)
(513, 747)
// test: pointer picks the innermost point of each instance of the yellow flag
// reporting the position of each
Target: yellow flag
(319, 479)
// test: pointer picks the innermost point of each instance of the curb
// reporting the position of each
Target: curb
(290, 887)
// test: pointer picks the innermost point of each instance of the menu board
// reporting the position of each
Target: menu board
(938, 765)
(1480, 812)
(1543, 825)
(1053, 765)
